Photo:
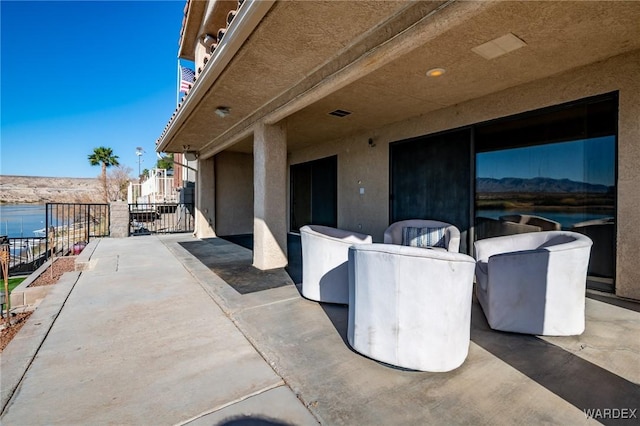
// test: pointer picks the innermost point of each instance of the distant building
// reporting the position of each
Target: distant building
(159, 187)
(358, 114)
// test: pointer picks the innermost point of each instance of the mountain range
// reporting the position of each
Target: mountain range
(38, 189)
(539, 184)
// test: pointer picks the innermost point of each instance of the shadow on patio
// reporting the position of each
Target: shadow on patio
(506, 378)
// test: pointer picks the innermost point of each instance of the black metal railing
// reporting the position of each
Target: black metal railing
(71, 226)
(161, 218)
(26, 254)
(68, 228)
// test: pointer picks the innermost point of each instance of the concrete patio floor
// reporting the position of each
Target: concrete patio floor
(152, 335)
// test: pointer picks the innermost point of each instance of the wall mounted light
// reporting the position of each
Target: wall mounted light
(222, 111)
(371, 143)
(436, 72)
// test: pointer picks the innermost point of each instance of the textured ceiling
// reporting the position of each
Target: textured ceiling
(301, 44)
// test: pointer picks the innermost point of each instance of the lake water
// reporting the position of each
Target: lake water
(20, 220)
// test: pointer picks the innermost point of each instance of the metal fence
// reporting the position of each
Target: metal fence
(161, 218)
(68, 228)
(26, 254)
(72, 226)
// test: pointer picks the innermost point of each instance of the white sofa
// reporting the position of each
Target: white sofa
(534, 283)
(393, 234)
(410, 306)
(325, 251)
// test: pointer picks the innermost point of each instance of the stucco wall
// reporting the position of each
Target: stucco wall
(234, 193)
(205, 199)
(362, 166)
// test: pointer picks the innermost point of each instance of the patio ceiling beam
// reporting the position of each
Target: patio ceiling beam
(449, 15)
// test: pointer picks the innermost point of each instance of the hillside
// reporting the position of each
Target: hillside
(36, 189)
(540, 184)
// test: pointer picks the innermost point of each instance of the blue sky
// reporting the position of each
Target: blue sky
(76, 75)
(591, 160)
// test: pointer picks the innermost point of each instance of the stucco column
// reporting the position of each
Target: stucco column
(270, 196)
(205, 219)
(628, 219)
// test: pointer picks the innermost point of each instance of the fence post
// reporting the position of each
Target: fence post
(119, 219)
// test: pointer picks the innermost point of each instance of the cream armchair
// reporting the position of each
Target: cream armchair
(324, 262)
(533, 283)
(394, 233)
(410, 307)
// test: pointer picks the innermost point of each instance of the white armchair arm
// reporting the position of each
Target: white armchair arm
(325, 251)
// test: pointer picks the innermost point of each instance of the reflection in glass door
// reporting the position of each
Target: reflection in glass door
(530, 178)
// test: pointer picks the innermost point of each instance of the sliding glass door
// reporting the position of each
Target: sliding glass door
(431, 179)
(548, 169)
(314, 193)
(552, 169)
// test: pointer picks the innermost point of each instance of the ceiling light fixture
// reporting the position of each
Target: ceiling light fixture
(190, 155)
(208, 39)
(222, 111)
(436, 72)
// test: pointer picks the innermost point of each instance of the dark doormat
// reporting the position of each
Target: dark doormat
(232, 263)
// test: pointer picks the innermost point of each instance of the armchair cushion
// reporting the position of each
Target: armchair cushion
(423, 237)
(394, 233)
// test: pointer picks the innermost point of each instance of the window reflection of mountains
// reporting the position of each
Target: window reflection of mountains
(539, 184)
(546, 193)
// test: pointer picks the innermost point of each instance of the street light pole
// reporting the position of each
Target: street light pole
(139, 152)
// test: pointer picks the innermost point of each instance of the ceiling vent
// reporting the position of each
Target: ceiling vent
(499, 46)
(339, 113)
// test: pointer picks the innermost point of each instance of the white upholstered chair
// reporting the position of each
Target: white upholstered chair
(324, 262)
(394, 233)
(534, 283)
(409, 306)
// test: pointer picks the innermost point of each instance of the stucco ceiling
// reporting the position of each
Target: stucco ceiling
(302, 44)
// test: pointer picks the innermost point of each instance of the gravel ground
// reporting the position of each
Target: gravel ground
(6, 334)
(60, 266)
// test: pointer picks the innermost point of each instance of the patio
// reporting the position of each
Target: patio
(506, 379)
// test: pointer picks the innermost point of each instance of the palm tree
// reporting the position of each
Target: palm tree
(103, 156)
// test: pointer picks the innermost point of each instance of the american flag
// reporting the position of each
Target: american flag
(186, 79)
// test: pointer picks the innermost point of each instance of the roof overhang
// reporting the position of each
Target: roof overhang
(298, 61)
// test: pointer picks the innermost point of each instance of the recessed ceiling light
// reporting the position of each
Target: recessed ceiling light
(435, 72)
